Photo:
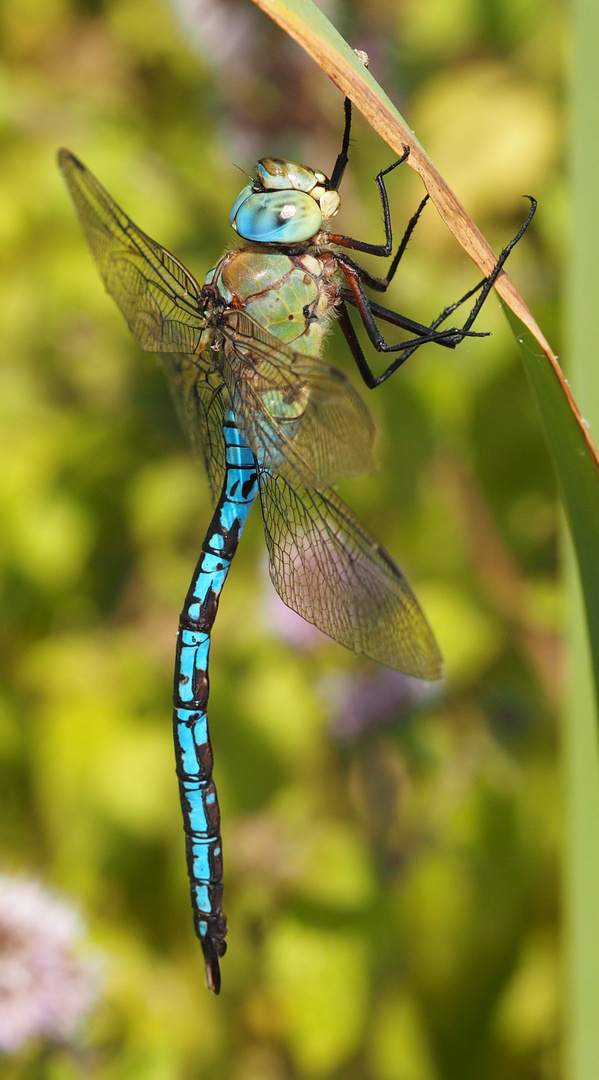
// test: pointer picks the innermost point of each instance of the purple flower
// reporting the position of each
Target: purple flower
(45, 988)
(377, 697)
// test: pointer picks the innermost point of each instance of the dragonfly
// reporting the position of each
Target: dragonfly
(272, 421)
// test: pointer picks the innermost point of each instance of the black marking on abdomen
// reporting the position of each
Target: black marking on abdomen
(249, 484)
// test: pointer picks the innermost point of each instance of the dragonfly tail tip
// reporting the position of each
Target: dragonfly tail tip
(213, 974)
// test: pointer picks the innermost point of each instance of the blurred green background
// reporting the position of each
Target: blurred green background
(391, 851)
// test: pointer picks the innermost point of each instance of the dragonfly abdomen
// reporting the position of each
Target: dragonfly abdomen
(199, 802)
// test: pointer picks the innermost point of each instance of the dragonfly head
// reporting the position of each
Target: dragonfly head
(285, 204)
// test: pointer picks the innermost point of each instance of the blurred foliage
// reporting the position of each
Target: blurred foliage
(391, 886)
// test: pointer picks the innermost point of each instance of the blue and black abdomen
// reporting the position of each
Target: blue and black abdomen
(199, 800)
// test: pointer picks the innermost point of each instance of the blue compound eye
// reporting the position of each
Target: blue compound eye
(275, 217)
(243, 195)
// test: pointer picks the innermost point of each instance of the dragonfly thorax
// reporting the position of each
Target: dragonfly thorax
(285, 204)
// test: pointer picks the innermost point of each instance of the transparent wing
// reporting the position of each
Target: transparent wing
(161, 303)
(326, 566)
(301, 417)
(158, 297)
(200, 400)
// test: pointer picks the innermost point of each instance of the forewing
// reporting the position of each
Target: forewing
(301, 417)
(326, 566)
(158, 297)
(199, 397)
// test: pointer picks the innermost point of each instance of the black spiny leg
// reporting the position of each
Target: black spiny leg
(382, 284)
(383, 250)
(450, 338)
(343, 155)
(487, 283)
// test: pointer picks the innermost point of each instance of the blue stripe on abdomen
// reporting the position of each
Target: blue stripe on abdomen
(199, 801)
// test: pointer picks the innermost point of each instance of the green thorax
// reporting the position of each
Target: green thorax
(291, 296)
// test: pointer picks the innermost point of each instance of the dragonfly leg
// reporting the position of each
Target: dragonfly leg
(382, 284)
(403, 349)
(343, 155)
(383, 250)
(358, 245)
(487, 284)
(395, 318)
(368, 310)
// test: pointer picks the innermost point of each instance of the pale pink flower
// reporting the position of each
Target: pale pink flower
(45, 987)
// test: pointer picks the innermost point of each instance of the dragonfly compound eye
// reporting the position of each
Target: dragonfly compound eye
(275, 217)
